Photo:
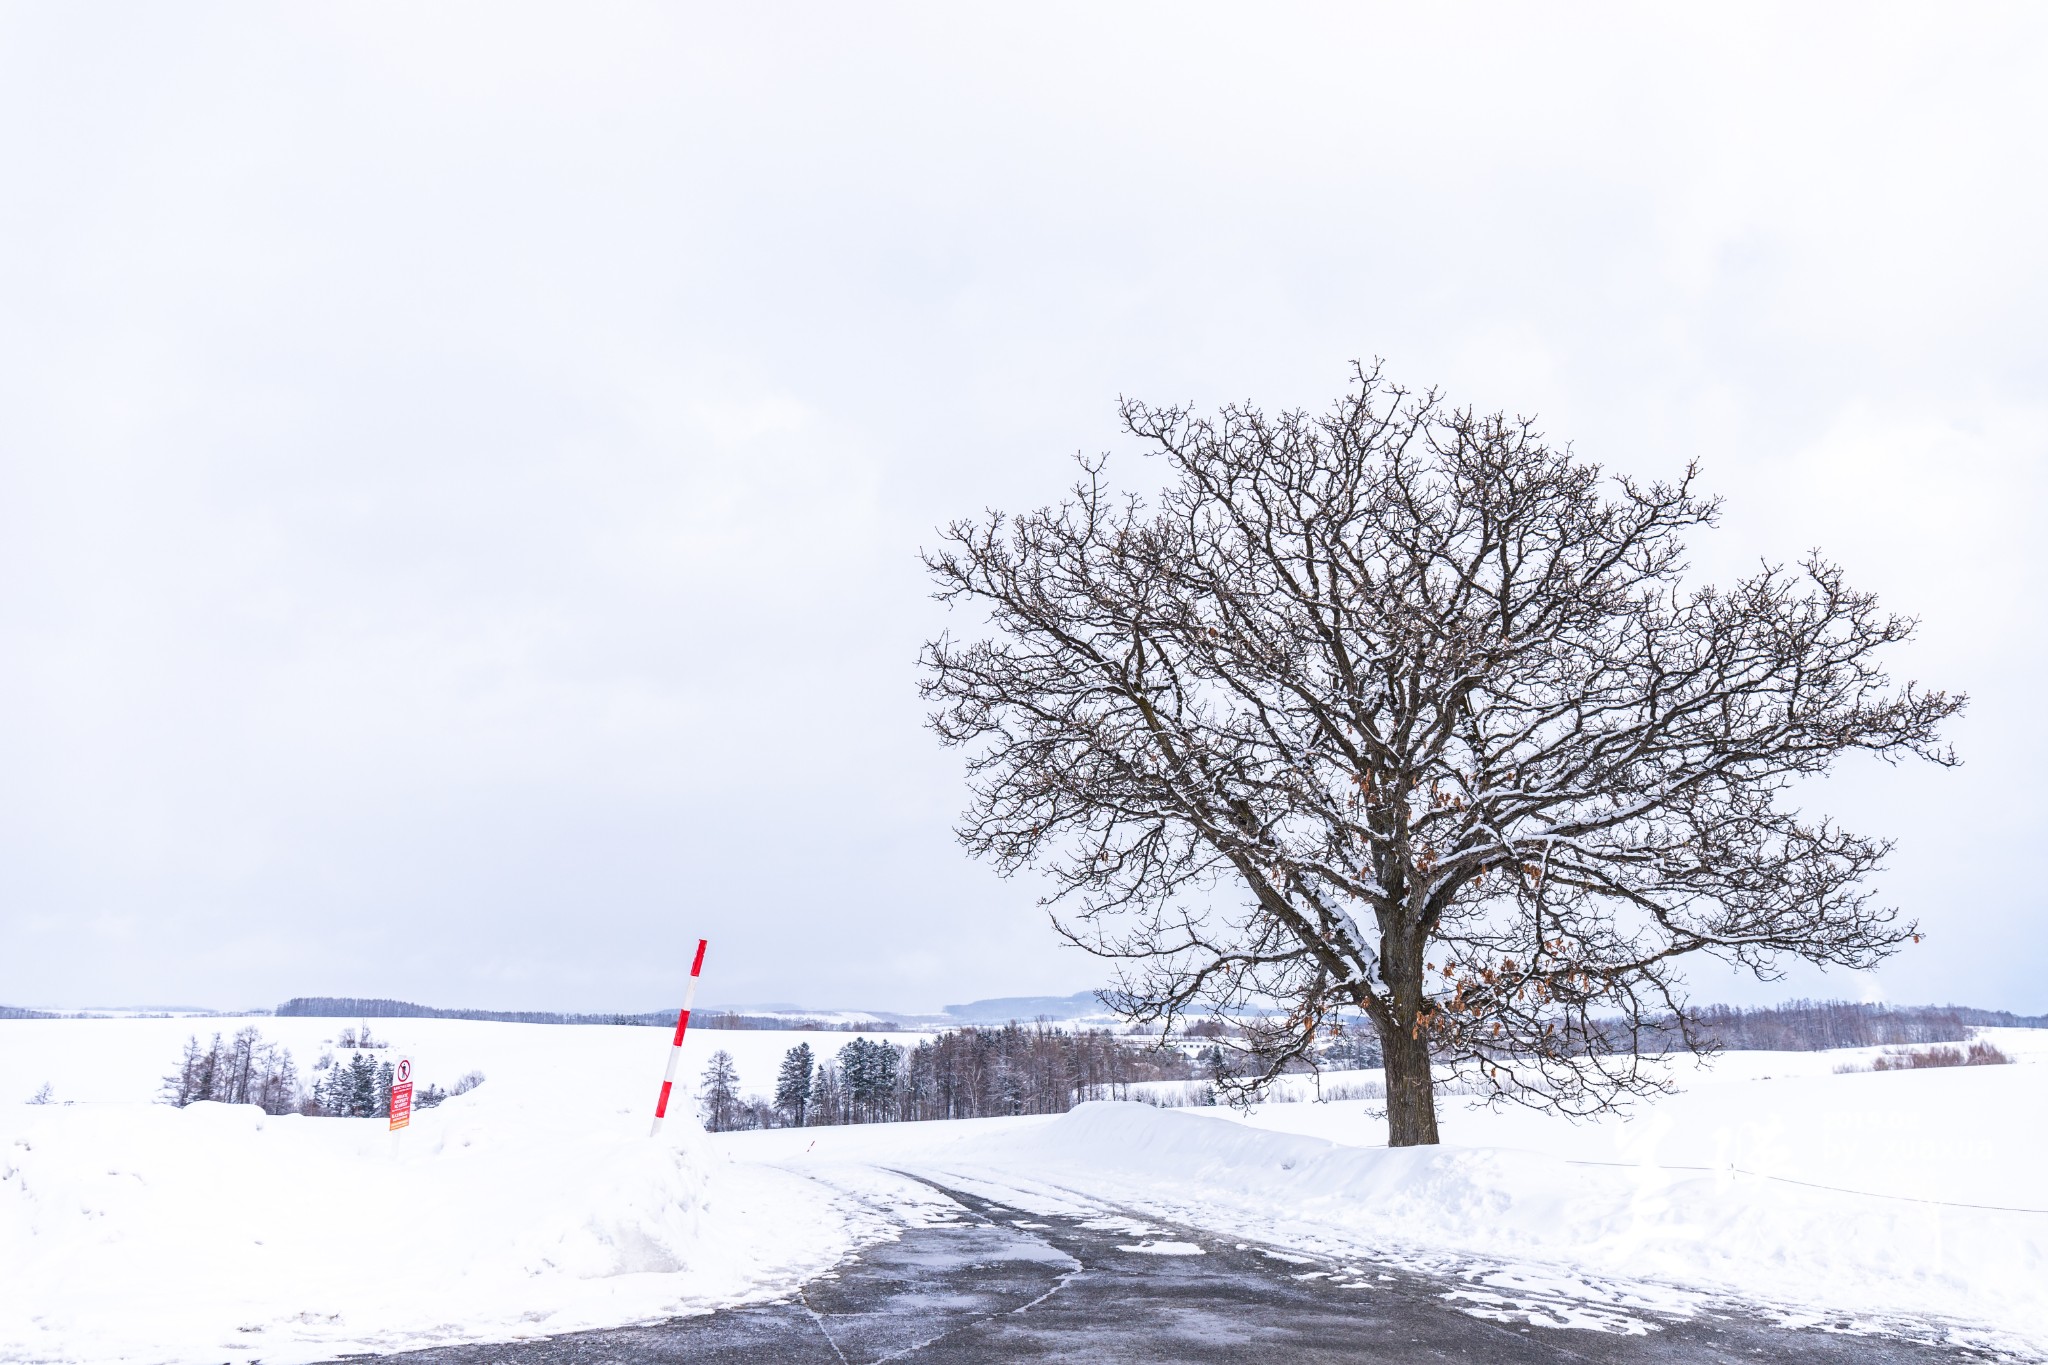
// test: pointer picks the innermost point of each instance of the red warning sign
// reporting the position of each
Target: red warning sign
(401, 1094)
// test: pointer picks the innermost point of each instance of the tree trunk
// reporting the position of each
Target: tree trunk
(1411, 1091)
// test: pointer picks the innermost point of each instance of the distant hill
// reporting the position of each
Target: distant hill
(352, 1007)
(1026, 1007)
(1795, 1025)
(1023, 1008)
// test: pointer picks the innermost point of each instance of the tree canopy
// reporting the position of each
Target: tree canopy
(1400, 708)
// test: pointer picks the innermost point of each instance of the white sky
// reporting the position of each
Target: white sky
(461, 469)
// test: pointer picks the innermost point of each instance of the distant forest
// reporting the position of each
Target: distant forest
(1796, 1026)
(1814, 1025)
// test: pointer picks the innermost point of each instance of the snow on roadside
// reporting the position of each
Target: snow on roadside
(1956, 1134)
(534, 1205)
(1533, 1214)
(1590, 1225)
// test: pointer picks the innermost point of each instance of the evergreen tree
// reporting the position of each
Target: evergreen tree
(793, 1085)
(884, 1062)
(1007, 1083)
(867, 1069)
(828, 1096)
(362, 1086)
(853, 1078)
(1218, 1067)
(718, 1099)
(332, 1091)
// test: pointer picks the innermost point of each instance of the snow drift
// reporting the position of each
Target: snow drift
(136, 1231)
(1765, 1241)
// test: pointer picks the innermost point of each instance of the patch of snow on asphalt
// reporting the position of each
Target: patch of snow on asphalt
(1166, 1249)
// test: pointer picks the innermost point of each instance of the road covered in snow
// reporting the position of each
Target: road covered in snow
(1894, 1206)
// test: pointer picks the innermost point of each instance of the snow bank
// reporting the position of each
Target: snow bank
(1766, 1241)
(533, 1205)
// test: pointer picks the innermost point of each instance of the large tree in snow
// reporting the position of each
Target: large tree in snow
(1399, 709)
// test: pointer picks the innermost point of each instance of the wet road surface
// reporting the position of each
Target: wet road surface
(1002, 1286)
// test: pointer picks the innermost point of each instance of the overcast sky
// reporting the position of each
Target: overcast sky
(462, 467)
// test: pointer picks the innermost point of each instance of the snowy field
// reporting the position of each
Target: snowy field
(536, 1204)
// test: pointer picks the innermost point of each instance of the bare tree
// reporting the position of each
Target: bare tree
(1400, 709)
(246, 1070)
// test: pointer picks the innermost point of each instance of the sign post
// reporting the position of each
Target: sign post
(401, 1094)
(675, 1050)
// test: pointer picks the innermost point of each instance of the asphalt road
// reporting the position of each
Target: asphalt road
(1002, 1286)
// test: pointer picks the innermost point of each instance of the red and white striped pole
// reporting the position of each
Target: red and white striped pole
(675, 1051)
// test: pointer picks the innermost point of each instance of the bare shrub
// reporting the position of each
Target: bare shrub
(1193, 1095)
(1296, 1090)
(1917, 1059)
(1354, 1090)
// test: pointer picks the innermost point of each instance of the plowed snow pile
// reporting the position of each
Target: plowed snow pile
(532, 1205)
(1651, 1234)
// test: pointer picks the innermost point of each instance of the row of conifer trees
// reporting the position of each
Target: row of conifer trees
(962, 1073)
